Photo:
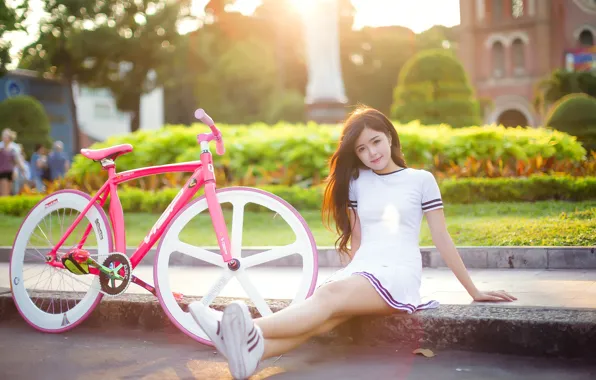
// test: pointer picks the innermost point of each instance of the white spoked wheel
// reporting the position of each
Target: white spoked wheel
(284, 266)
(53, 299)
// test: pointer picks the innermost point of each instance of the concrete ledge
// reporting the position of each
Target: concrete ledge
(473, 257)
(490, 328)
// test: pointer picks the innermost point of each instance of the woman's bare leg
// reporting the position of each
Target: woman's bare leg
(276, 347)
(344, 298)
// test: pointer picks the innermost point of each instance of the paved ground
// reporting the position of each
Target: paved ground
(533, 287)
(120, 354)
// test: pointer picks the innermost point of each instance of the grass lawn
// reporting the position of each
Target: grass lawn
(526, 224)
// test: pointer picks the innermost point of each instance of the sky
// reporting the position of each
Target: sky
(417, 15)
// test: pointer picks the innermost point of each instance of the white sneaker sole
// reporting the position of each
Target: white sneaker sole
(236, 325)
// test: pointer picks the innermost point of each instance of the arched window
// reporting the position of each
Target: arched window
(586, 38)
(498, 59)
(519, 56)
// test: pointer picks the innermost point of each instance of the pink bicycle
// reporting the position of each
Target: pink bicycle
(70, 275)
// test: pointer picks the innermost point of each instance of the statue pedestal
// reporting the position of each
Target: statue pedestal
(325, 94)
(321, 111)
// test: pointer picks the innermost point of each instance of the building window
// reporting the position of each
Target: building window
(517, 8)
(498, 58)
(586, 38)
(519, 58)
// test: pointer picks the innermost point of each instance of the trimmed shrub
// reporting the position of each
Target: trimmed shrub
(433, 87)
(575, 114)
(454, 191)
(27, 117)
(286, 154)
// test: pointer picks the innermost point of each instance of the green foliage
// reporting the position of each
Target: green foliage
(531, 189)
(287, 106)
(435, 38)
(239, 83)
(26, 116)
(461, 191)
(562, 83)
(298, 154)
(144, 35)
(11, 20)
(371, 61)
(433, 88)
(88, 40)
(575, 114)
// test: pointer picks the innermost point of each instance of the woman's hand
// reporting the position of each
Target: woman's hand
(493, 296)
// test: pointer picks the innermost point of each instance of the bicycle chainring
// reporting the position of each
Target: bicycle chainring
(116, 287)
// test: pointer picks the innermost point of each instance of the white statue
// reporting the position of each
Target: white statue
(325, 84)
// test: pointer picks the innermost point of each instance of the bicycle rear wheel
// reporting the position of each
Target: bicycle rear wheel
(53, 299)
(295, 264)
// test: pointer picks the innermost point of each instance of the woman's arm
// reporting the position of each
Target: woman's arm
(449, 253)
(355, 237)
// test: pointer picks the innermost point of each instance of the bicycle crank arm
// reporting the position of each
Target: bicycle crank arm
(151, 289)
(143, 284)
(110, 272)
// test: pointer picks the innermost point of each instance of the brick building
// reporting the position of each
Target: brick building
(508, 46)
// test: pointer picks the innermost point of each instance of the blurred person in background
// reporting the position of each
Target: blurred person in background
(10, 157)
(39, 165)
(58, 162)
(21, 177)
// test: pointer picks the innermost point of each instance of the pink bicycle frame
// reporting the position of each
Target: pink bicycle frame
(199, 178)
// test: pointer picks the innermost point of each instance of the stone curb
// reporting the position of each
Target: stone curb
(473, 257)
(553, 332)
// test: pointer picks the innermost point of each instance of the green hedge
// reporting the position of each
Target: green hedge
(300, 152)
(27, 117)
(462, 191)
(575, 114)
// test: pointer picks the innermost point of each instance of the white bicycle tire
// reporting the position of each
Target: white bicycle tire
(53, 322)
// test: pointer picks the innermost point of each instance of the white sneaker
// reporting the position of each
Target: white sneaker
(210, 321)
(243, 339)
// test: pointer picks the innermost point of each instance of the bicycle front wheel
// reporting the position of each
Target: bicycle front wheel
(284, 265)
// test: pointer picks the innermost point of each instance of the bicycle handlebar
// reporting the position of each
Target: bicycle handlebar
(215, 135)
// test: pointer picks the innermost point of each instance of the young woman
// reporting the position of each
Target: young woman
(377, 204)
(10, 158)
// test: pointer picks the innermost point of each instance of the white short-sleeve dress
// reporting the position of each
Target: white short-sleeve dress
(390, 207)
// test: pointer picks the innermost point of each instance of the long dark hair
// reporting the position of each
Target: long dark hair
(344, 165)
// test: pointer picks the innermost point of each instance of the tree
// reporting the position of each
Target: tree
(433, 87)
(435, 38)
(575, 114)
(111, 44)
(55, 51)
(138, 48)
(560, 84)
(27, 117)
(373, 57)
(281, 28)
(11, 20)
(239, 83)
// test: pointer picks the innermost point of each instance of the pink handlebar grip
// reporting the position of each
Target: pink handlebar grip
(201, 115)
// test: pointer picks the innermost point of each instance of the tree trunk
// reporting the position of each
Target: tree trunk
(76, 143)
(135, 121)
